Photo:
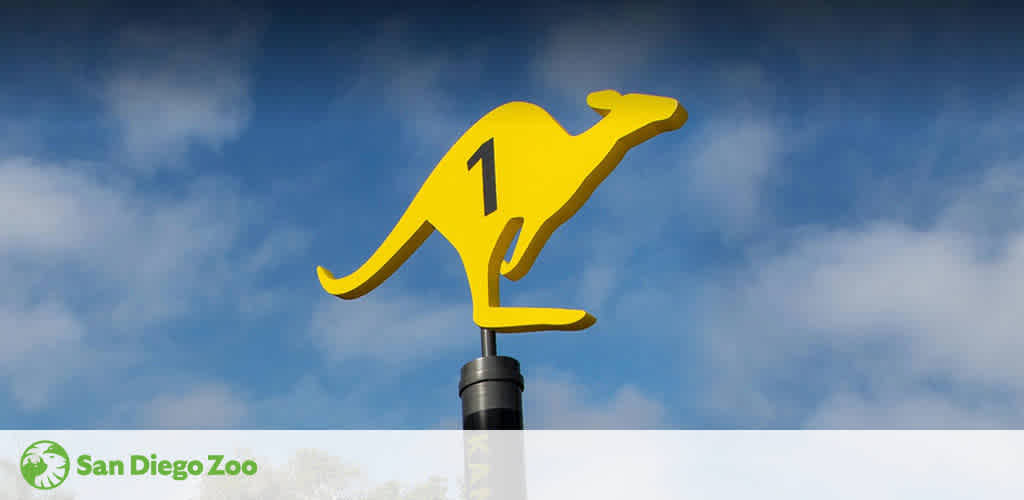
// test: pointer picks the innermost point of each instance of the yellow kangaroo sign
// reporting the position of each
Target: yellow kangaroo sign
(516, 170)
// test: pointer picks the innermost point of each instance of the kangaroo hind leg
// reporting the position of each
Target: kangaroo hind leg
(487, 311)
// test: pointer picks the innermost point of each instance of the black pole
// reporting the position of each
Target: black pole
(488, 343)
(491, 389)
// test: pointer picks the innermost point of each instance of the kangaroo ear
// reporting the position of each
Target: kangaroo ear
(603, 101)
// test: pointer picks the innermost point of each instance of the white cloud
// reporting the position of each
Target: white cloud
(170, 90)
(449, 423)
(208, 406)
(388, 328)
(38, 342)
(51, 208)
(556, 401)
(162, 248)
(911, 411)
(598, 283)
(187, 401)
(727, 171)
(157, 247)
(608, 47)
(897, 306)
(285, 241)
(308, 404)
(87, 257)
(907, 319)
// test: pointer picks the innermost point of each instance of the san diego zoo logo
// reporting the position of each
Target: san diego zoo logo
(45, 465)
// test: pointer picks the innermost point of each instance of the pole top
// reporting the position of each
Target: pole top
(491, 368)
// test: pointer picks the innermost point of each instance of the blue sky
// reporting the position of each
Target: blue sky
(834, 239)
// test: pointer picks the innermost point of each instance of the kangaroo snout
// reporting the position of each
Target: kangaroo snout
(647, 108)
(655, 109)
(678, 116)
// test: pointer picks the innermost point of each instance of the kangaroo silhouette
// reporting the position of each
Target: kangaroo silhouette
(534, 177)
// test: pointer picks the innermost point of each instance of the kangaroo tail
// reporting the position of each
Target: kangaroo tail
(410, 232)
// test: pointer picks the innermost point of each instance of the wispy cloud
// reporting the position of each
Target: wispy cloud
(386, 328)
(170, 90)
(89, 257)
(184, 401)
(884, 313)
(39, 342)
(159, 247)
(607, 46)
(208, 406)
(726, 174)
(921, 409)
(558, 401)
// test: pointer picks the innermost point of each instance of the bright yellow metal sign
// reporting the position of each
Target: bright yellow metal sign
(516, 170)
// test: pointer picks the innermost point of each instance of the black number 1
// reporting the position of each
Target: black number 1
(485, 154)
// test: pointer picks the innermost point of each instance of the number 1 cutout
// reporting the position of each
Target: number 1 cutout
(485, 155)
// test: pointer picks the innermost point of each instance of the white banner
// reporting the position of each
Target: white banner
(539, 465)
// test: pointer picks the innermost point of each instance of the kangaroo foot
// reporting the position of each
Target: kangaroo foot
(532, 319)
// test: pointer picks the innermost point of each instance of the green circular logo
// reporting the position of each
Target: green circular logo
(44, 465)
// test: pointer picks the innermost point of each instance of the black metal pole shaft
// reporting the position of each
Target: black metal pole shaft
(488, 343)
(491, 389)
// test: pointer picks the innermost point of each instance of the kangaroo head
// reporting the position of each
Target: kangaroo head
(640, 114)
